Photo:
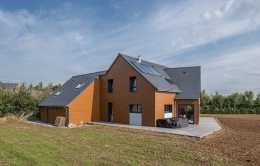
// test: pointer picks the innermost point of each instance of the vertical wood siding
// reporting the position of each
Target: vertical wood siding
(161, 99)
(121, 98)
(86, 106)
(43, 114)
(49, 114)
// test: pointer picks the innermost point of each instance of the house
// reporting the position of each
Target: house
(132, 91)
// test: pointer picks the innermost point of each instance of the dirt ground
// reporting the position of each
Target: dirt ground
(239, 139)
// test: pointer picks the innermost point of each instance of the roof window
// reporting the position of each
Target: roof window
(58, 93)
(169, 80)
(79, 85)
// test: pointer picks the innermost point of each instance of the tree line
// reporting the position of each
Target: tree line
(236, 103)
(23, 99)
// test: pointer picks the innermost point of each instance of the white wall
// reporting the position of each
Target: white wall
(135, 119)
(168, 115)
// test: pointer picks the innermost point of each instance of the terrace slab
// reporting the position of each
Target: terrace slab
(206, 126)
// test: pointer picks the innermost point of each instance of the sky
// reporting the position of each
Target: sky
(51, 41)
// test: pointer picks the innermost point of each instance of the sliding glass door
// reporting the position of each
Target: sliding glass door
(186, 111)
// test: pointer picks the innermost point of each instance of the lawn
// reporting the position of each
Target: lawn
(30, 144)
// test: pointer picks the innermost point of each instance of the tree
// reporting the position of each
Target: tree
(205, 102)
(249, 97)
(23, 98)
(39, 86)
(257, 99)
(218, 101)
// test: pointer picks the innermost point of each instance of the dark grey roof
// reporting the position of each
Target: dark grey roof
(159, 82)
(188, 79)
(69, 91)
(8, 85)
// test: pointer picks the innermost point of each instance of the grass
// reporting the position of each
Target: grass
(30, 144)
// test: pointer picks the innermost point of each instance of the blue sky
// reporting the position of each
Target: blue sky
(50, 41)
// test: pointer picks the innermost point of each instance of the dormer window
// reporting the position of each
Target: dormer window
(79, 85)
(58, 93)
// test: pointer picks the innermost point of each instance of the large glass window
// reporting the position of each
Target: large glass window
(110, 86)
(135, 108)
(167, 108)
(186, 111)
(132, 83)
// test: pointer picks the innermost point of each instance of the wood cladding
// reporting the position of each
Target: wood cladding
(49, 114)
(85, 107)
(121, 98)
(161, 99)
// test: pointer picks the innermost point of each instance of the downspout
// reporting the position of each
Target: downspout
(175, 106)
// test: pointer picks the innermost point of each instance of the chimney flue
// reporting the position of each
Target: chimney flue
(139, 59)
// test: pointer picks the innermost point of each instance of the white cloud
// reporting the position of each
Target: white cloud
(51, 46)
(237, 70)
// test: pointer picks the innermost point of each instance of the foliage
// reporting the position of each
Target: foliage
(23, 99)
(236, 103)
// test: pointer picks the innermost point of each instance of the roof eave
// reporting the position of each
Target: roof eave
(177, 98)
(53, 105)
(165, 90)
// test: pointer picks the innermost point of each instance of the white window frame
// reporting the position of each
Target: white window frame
(58, 93)
(79, 85)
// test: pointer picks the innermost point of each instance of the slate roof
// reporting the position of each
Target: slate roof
(185, 81)
(69, 91)
(159, 82)
(188, 79)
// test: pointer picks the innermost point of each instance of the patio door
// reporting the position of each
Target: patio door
(110, 112)
(186, 111)
(135, 115)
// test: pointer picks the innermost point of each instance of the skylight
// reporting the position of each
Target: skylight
(79, 85)
(58, 93)
(146, 69)
(169, 80)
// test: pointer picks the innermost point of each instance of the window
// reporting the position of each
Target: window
(186, 111)
(132, 84)
(110, 86)
(58, 93)
(167, 108)
(135, 108)
(79, 85)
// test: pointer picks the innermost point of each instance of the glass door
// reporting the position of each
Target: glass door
(186, 111)
(110, 112)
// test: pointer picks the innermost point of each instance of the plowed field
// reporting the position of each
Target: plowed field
(239, 139)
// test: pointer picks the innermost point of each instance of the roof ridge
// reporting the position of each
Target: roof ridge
(89, 73)
(143, 60)
(180, 67)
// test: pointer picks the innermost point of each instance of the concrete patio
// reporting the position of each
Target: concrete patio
(207, 126)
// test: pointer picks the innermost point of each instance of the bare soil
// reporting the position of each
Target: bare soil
(238, 140)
